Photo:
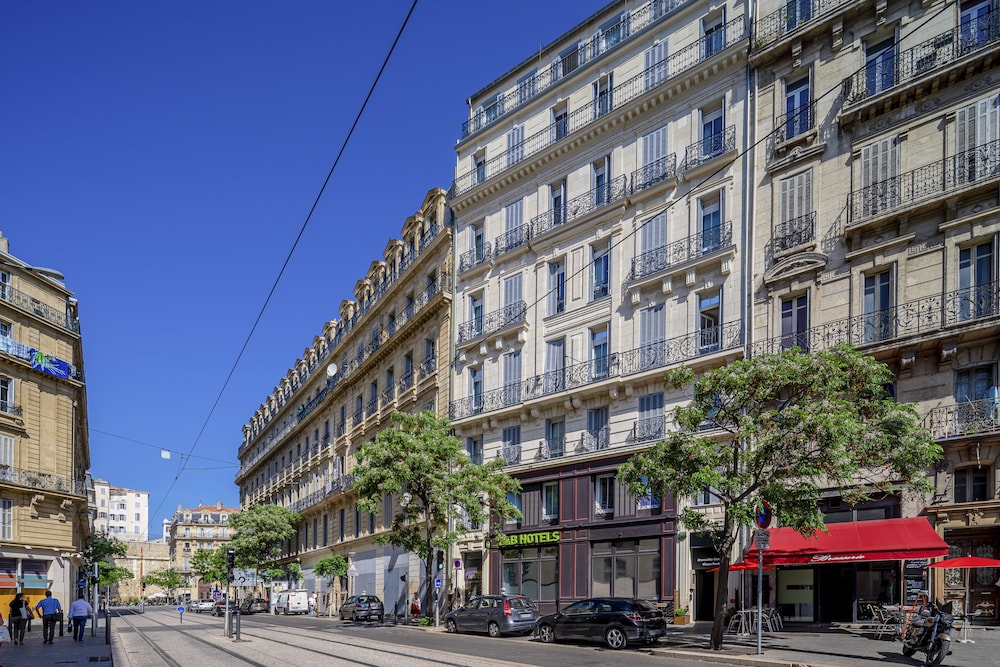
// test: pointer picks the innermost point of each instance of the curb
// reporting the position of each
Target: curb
(747, 660)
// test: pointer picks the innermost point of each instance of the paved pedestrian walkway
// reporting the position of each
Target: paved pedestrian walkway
(63, 651)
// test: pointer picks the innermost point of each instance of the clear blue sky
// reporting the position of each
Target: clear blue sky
(163, 156)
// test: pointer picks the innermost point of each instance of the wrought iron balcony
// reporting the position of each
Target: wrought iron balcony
(30, 304)
(673, 254)
(9, 408)
(405, 382)
(681, 348)
(922, 316)
(929, 182)
(977, 36)
(600, 291)
(474, 257)
(341, 428)
(496, 399)
(580, 206)
(795, 232)
(606, 41)
(709, 148)
(593, 441)
(656, 172)
(357, 417)
(515, 238)
(552, 448)
(492, 322)
(42, 481)
(651, 429)
(792, 124)
(389, 394)
(619, 97)
(791, 16)
(511, 454)
(372, 407)
(966, 418)
(427, 367)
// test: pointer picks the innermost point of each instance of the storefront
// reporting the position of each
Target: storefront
(970, 531)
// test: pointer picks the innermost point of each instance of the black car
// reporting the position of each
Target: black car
(362, 606)
(615, 621)
(219, 608)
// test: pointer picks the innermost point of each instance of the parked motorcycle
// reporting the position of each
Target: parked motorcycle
(930, 632)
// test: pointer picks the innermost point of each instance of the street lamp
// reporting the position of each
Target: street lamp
(40, 270)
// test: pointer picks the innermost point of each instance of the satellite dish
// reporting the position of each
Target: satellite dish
(331, 370)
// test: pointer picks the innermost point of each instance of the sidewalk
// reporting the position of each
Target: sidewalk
(62, 651)
(819, 646)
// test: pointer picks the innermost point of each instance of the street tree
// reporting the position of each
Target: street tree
(102, 550)
(780, 428)
(210, 564)
(259, 533)
(169, 580)
(331, 568)
(438, 488)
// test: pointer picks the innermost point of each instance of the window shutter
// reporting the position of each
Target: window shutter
(512, 290)
(7, 451)
(513, 215)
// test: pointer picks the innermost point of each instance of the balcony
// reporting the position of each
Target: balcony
(927, 183)
(622, 95)
(606, 41)
(42, 481)
(596, 440)
(357, 418)
(497, 399)
(659, 171)
(709, 148)
(389, 394)
(30, 304)
(794, 233)
(681, 348)
(405, 382)
(492, 322)
(552, 448)
(428, 367)
(515, 238)
(794, 123)
(474, 257)
(679, 252)
(372, 407)
(928, 315)
(580, 206)
(967, 418)
(937, 53)
(511, 454)
(795, 14)
(651, 429)
(8, 408)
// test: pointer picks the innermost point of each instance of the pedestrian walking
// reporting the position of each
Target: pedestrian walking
(4, 633)
(80, 611)
(20, 612)
(49, 607)
(312, 603)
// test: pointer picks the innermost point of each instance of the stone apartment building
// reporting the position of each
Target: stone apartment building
(121, 513)
(299, 449)
(45, 491)
(202, 527)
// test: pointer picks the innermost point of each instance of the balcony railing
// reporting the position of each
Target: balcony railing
(496, 399)
(427, 367)
(30, 304)
(512, 239)
(357, 418)
(580, 206)
(474, 257)
(372, 406)
(967, 418)
(511, 454)
(620, 96)
(606, 41)
(8, 408)
(792, 15)
(709, 148)
(681, 348)
(656, 172)
(405, 382)
(792, 124)
(943, 50)
(795, 232)
(650, 429)
(927, 315)
(552, 448)
(929, 182)
(593, 441)
(492, 322)
(42, 481)
(704, 243)
(389, 394)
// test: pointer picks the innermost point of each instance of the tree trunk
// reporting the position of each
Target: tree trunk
(722, 592)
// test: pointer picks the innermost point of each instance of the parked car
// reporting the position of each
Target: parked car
(253, 606)
(615, 621)
(493, 614)
(202, 605)
(362, 606)
(219, 608)
(292, 602)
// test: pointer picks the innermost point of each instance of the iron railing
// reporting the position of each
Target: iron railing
(927, 182)
(596, 440)
(938, 52)
(389, 394)
(492, 322)
(967, 418)
(795, 232)
(474, 257)
(42, 481)
(650, 429)
(656, 172)
(709, 148)
(792, 124)
(511, 454)
(427, 367)
(620, 96)
(372, 406)
(581, 205)
(681, 348)
(30, 304)
(496, 399)
(405, 382)
(697, 245)
(552, 448)
(358, 417)
(9, 408)
(794, 14)
(514, 238)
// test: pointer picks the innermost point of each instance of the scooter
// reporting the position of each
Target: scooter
(930, 632)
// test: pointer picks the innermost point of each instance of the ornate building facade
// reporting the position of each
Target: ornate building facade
(203, 527)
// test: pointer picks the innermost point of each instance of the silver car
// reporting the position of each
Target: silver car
(495, 615)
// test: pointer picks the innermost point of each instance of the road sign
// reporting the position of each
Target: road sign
(81, 583)
(180, 609)
(458, 564)
(244, 577)
(763, 515)
(763, 539)
(352, 571)
(437, 583)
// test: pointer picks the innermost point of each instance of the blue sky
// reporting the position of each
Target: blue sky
(163, 156)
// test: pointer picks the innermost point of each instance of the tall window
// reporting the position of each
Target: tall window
(613, 32)
(877, 305)
(494, 108)
(603, 103)
(975, 282)
(570, 59)
(515, 500)
(478, 244)
(476, 314)
(557, 287)
(600, 271)
(6, 394)
(474, 448)
(512, 378)
(650, 425)
(555, 437)
(977, 131)
(7, 452)
(654, 151)
(557, 194)
(560, 121)
(478, 168)
(604, 495)
(715, 36)
(712, 134)
(515, 145)
(797, 116)
(599, 358)
(550, 501)
(797, 12)
(796, 198)
(512, 295)
(601, 171)
(795, 322)
(975, 26)
(598, 434)
(709, 320)
(652, 333)
(527, 86)
(555, 366)
(975, 384)
(710, 224)
(879, 168)
(476, 388)
(510, 444)
(972, 484)
(513, 223)
(654, 233)
(657, 68)
(343, 529)
(880, 66)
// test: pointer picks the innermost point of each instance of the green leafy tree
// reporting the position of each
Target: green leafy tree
(210, 565)
(102, 551)
(259, 533)
(331, 568)
(793, 424)
(425, 467)
(169, 580)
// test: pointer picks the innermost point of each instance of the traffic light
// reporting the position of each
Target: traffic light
(440, 560)
(230, 559)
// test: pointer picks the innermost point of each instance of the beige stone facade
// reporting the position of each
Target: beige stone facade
(45, 520)
(383, 354)
(193, 528)
(141, 559)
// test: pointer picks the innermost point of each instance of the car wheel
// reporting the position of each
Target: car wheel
(354, 616)
(493, 629)
(342, 616)
(615, 638)
(285, 611)
(546, 634)
(450, 625)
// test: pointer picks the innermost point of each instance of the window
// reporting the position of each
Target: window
(796, 212)
(710, 223)
(560, 121)
(527, 86)
(976, 398)
(6, 395)
(476, 389)
(657, 68)
(613, 32)
(604, 495)
(555, 437)
(6, 518)
(515, 500)
(478, 168)
(570, 58)
(555, 366)
(975, 278)
(626, 568)
(880, 66)
(652, 334)
(515, 145)
(478, 244)
(532, 572)
(557, 194)
(494, 108)
(795, 322)
(879, 168)
(797, 116)
(550, 501)
(514, 228)
(877, 305)
(972, 484)
(977, 128)
(476, 315)
(603, 102)
(371, 523)
(357, 520)
(557, 287)
(430, 349)
(709, 319)
(601, 178)
(343, 514)
(654, 153)
(650, 500)
(598, 434)
(512, 295)
(600, 271)
(510, 447)
(5, 330)
(512, 378)
(715, 36)
(599, 353)
(975, 26)
(713, 134)
(650, 426)
(797, 12)
(704, 497)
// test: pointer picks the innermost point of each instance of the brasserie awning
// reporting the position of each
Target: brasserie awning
(857, 541)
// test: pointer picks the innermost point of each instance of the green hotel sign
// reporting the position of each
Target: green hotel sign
(528, 539)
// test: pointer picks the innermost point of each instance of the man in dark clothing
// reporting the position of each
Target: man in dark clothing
(49, 607)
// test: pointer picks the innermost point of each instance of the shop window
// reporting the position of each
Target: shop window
(532, 572)
(626, 568)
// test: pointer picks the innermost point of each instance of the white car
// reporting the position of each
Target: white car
(202, 605)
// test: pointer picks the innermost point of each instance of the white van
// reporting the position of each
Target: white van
(292, 602)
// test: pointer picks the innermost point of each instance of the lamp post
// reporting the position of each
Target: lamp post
(39, 270)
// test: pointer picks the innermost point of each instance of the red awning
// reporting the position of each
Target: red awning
(881, 539)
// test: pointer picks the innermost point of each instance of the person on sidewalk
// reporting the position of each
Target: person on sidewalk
(312, 603)
(20, 612)
(49, 607)
(79, 612)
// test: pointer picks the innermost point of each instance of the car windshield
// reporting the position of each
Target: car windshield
(520, 603)
(367, 598)
(643, 605)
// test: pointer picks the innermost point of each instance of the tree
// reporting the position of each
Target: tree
(792, 424)
(331, 568)
(259, 533)
(102, 550)
(419, 461)
(210, 565)
(169, 580)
